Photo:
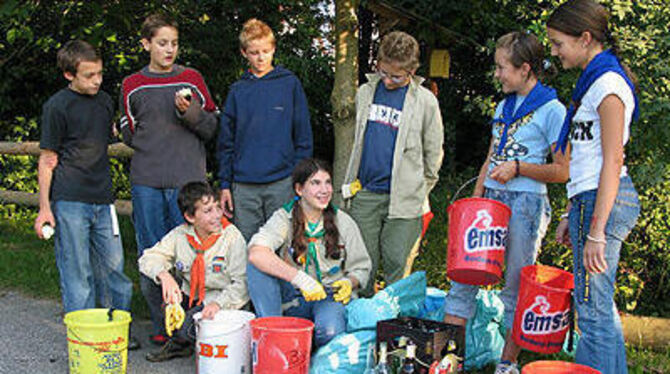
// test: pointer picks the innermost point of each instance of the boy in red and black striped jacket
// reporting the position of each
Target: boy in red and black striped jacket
(167, 117)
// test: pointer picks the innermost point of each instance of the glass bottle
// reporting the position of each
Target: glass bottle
(409, 364)
(382, 367)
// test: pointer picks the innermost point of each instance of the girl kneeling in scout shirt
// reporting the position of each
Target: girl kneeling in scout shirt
(310, 256)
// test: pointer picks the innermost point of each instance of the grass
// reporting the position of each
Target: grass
(27, 264)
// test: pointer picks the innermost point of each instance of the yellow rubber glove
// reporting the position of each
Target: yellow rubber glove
(174, 317)
(351, 189)
(355, 187)
(343, 287)
(310, 288)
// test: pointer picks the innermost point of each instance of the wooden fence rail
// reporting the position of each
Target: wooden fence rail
(118, 150)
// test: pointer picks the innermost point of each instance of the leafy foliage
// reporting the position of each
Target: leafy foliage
(32, 31)
(469, 95)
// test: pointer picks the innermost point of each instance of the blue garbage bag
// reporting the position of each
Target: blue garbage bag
(433, 306)
(346, 353)
(410, 293)
(402, 298)
(350, 352)
(484, 333)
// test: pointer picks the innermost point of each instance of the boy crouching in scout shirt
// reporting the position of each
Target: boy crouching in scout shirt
(210, 256)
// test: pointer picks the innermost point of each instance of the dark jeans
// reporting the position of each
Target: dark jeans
(155, 213)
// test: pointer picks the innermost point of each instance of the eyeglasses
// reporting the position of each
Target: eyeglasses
(397, 79)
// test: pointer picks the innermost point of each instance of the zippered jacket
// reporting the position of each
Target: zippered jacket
(418, 149)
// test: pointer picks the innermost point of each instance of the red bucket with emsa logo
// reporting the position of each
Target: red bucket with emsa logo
(477, 238)
(542, 316)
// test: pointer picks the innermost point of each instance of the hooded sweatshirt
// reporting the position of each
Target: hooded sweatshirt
(265, 129)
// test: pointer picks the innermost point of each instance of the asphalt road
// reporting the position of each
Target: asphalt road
(33, 340)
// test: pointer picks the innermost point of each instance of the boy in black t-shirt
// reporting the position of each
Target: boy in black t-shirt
(75, 186)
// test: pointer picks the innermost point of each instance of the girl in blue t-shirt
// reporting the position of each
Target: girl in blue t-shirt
(525, 126)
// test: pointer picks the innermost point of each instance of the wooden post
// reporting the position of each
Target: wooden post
(649, 332)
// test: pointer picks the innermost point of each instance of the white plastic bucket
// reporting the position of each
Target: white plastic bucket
(222, 343)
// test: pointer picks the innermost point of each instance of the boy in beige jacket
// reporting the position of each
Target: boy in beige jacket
(396, 157)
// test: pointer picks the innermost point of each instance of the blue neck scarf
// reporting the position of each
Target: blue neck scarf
(537, 97)
(604, 62)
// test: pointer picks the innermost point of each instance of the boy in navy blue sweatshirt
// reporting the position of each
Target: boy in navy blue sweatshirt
(265, 131)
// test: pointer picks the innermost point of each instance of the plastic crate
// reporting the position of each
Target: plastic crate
(429, 336)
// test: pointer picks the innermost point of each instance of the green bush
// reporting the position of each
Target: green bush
(31, 32)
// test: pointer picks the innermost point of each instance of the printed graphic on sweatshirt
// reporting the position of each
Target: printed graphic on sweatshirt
(513, 149)
(385, 115)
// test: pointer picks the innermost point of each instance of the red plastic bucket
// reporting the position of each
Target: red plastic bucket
(477, 237)
(281, 345)
(557, 367)
(542, 312)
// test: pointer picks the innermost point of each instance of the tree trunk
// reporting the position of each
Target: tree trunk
(344, 88)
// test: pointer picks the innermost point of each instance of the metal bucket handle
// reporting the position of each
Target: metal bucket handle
(468, 182)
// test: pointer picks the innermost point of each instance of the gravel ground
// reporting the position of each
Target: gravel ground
(33, 340)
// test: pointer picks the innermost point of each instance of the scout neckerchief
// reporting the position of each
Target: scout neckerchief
(602, 63)
(537, 97)
(313, 235)
(198, 265)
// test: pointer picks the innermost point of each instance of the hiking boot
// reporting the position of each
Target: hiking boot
(506, 367)
(170, 350)
(158, 339)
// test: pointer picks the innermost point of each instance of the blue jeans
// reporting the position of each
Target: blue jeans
(271, 295)
(89, 257)
(601, 345)
(155, 213)
(531, 213)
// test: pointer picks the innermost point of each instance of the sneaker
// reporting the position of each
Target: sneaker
(158, 339)
(133, 344)
(170, 350)
(506, 367)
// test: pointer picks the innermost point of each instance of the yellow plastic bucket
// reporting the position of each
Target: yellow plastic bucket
(96, 342)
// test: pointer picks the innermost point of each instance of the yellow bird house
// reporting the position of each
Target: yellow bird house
(439, 63)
